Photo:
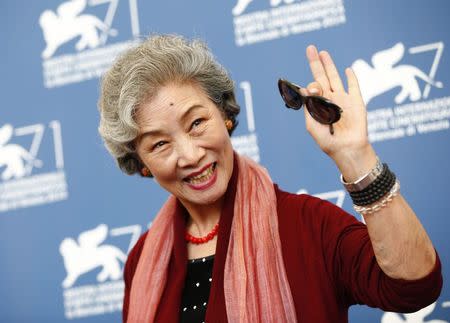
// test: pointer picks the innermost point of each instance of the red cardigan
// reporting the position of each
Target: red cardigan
(328, 257)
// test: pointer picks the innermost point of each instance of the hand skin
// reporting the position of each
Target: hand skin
(402, 247)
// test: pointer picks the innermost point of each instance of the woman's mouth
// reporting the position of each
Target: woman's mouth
(203, 180)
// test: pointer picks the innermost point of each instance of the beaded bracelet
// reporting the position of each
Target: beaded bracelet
(375, 190)
(376, 207)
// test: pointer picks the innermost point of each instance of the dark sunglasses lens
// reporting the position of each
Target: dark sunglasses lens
(323, 111)
(291, 97)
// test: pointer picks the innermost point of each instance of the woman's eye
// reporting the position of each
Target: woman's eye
(158, 144)
(196, 123)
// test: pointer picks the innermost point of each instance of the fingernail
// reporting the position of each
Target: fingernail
(311, 51)
(325, 56)
(313, 90)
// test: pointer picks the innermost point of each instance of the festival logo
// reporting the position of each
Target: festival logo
(247, 144)
(90, 256)
(68, 23)
(417, 317)
(76, 40)
(87, 254)
(412, 113)
(25, 179)
(18, 161)
(283, 18)
(384, 76)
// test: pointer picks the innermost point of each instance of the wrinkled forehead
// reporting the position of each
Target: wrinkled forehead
(170, 103)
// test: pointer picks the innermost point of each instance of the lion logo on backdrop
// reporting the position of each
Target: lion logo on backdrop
(18, 161)
(20, 186)
(69, 23)
(87, 254)
(76, 35)
(417, 317)
(383, 76)
(411, 111)
(241, 5)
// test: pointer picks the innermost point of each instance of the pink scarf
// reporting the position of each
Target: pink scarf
(255, 282)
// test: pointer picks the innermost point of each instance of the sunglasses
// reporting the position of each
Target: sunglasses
(320, 108)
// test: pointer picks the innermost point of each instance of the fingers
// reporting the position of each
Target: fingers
(324, 70)
(317, 69)
(313, 88)
(353, 85)
(332, 72)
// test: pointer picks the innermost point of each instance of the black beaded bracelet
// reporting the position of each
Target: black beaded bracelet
(376, 190)
(379, 182)
(376, 193)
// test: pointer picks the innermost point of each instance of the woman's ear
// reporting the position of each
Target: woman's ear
(143, 170)
(228, 124)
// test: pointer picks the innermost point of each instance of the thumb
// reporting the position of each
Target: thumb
(314, 88)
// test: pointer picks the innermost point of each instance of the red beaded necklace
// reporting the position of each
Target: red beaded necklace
(209, 236)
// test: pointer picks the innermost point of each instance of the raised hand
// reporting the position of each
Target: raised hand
(350, 143)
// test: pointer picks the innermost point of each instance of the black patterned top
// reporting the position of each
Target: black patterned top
(194, 299)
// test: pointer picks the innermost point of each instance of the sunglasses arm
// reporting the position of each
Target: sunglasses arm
(331, 129)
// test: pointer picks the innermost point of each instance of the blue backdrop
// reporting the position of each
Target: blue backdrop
(68, 216)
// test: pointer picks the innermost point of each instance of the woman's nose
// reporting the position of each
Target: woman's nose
(189, 153)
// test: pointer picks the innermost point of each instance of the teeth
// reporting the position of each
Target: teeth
(205, 175)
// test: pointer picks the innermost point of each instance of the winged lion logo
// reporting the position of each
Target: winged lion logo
(68, 23)
(86, 255)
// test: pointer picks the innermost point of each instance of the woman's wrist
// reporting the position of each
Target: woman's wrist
(355, 163)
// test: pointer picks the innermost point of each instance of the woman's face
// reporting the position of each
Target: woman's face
(184, 143)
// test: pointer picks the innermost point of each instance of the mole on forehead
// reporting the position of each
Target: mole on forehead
(171, 103)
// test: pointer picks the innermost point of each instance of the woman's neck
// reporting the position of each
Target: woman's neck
(202, 218)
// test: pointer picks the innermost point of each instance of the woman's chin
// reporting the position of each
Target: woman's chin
(205, 197)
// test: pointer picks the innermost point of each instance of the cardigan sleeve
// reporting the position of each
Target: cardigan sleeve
(128, 272)
(349, 256)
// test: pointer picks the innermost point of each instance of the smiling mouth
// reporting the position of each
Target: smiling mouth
(203, 176)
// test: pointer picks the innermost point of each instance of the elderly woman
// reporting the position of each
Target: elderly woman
(229, 244)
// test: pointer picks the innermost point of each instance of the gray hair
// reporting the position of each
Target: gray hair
(136, 76)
